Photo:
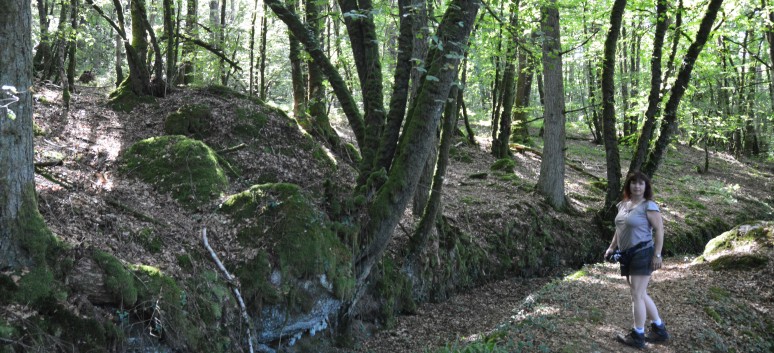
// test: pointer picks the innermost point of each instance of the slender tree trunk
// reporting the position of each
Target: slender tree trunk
(297, 72)
(72, 45)
(44, 47)
(62, 54)
(408, 11)
(348, 105)
(262, 70)
(252, 49)
(523, 90)
(189, 50)
(119, 60)
(551, 179)
(654, 97)
(169, 30)
(612, 158)
(421, 236)
(669, 126)
(222, 44)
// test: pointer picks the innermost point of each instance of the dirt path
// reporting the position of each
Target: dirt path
(705, 310)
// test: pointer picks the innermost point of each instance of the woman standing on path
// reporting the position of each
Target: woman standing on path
(639, 235)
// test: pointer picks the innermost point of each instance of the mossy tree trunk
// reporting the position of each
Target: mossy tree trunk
(612, 157)
(318, 115)
(432, 211)
(392, 198)
(500, 147)
(654, 97)
(23, 234)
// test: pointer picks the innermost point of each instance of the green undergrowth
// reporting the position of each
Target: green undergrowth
(186, 168)
(740, 247)
(300, 243)
(190, 120)
(122, 99)
(394, 292)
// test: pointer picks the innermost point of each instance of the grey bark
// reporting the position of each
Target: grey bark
(551, 179)
(16, 168)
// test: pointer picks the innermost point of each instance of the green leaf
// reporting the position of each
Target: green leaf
(431, 78)
(11, 115)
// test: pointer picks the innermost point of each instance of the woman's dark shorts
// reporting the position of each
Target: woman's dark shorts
(639, 263)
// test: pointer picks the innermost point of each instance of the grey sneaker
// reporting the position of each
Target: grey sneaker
(633, 339)
(657, 334)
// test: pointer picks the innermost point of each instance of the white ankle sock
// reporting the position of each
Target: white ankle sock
(658, 322)
(640, 330)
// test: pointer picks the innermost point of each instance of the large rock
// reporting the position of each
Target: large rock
(184, 167)
(300, 288)
(744, 247)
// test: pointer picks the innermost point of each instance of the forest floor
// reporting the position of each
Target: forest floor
(88, 203)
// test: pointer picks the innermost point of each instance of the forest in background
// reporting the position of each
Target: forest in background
(401, 77)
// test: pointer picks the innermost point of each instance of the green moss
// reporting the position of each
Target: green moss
(186, 168)
(37, 130)
(192, 120)
(185, 262)
(223, 91)
(282, 220)
(717, 293)
(122, 99)
(249, 122)
(353, 152)
(39, 288)
(504, 164)
(577, 275)
(600, 184)
(150, 241)
(738, 262)
(759, 233)
(254, 279)
(395, 292)
(713, 314)
(211, 294)
(119, 280)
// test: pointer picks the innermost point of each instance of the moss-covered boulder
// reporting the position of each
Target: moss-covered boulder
(190, 120)
(744, 247)
(185, 167)
(504, 165)
(302, 271)
(122, 99)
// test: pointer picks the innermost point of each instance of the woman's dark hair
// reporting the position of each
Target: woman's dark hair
(634, 177)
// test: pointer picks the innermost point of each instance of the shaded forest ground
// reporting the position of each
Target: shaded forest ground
(88, 203)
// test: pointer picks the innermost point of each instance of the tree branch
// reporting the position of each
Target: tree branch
(210, 48)
(120, 31)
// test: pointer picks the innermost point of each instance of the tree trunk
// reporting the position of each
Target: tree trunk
(43, 50)
(523, 90)
(296, 72)
(392, 198)
(189, 49)
(348, 105)
(62, 54)
(408, 11)
(500, 146)
(612, 158)
(654, 97)
(669, 126)
(22, 229)
(264, 28)
(318, 115)
(551, 179)
(119, 60)
(169, 30)
(420, 238)
(72, 45)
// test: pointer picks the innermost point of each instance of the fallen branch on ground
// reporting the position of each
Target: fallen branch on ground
(232, 149)
(232, 283)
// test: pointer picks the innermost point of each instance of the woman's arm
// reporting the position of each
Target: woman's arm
(654, 217)
(613, 244)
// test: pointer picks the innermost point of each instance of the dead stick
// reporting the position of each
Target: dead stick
(232, 149)
(52, 179)
(230, 279)
(52, 163)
